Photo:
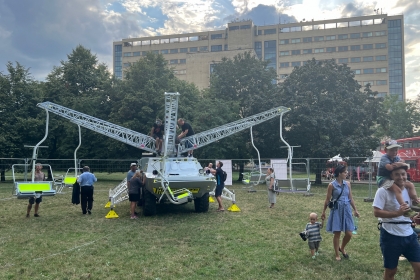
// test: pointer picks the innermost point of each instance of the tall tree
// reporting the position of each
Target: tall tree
(399, 119)
(330, 114)
(248, 86)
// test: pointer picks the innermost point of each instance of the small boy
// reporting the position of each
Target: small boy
(313, 228)
(387, 163)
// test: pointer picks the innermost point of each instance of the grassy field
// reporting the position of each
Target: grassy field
(256, 243)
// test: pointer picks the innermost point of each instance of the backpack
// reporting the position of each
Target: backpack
(224, 176)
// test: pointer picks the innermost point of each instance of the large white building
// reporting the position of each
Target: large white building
(373, 46)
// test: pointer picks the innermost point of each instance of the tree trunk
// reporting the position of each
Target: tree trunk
(318, 180)
(3, 176)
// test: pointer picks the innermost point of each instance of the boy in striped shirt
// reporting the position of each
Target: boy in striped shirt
(313, 228)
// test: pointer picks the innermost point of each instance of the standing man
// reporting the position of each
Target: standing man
(397, 236)
(220, 184)
(131, 172)
(157, 134)
(186, 131)
(37, 199)
(86, 181)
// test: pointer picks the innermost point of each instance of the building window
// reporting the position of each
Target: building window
(368, 82)
(367, 34)
(128, 54)
(380, 57)
(381, 94)
(330, 49)
(246, 26)
(173, 50)
(164, 51)
(355, 59)
(305, 62)
(295, 41)
(320, 50)
(381, 82)
(343, 36)
(343, 48)
(128, 64)
(144, 53)
(226, 47)
(182, 61)
(136, 53)
(367, 58)
(270, 53)
(380, 46)
(155, 52)
(204, 48)
(270, 31)
(368, 71)
(319, 38)
(284, 64)
(183, 50)
(259, 32)
(258, 49)
(380, 33)
(173, 61)
(306, 51)
(343, 60)
(307, 39)
(355, 48)
(231, 28)
(368, 46)
(283, 76)
(330, 38)
(354, 35)
(295, 52)
(216, 48)
(284, 53)
(357, 71)
(193, 49)
(381, 70)
(216, 36)
(296, 64)
(284, 42)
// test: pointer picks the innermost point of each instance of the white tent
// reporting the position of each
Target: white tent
(335, 158)
(376, 157)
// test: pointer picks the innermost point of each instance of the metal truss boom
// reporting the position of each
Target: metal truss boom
(207, 137)
(111, 130)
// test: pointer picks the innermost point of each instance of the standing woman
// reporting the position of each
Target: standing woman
(269, 181)
(340, 218)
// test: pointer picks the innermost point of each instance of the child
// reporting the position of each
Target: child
(313, 228)
(388, 162)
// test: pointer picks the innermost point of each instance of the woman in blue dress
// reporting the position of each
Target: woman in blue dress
(340, 218)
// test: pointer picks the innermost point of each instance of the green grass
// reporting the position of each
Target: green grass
(256, 243)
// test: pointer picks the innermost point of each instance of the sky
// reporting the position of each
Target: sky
(40, 34)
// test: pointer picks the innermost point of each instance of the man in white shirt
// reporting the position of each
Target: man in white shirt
(397, 236)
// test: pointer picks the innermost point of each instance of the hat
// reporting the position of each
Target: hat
(133, 164)
(391, 144)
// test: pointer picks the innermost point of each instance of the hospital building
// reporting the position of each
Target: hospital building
(372, 46)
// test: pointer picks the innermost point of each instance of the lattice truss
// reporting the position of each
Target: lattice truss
(171, 110)
(207, 137)
(111, 130)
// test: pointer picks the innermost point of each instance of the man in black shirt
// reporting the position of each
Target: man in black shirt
(220, 184)
(157, 133)
(186, 131)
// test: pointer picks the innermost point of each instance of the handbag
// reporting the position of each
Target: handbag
(332, 202)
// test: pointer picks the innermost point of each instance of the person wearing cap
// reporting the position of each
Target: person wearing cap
(37, 199)
(86, 181)
(387, 163)
(157, 134)
(397, 236)
(131, 172)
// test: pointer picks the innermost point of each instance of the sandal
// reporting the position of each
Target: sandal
(346, 256)
(220, 210)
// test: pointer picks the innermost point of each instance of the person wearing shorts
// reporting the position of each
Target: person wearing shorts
(37, 199)
(135, 188)
(397, 236)
(220, 184)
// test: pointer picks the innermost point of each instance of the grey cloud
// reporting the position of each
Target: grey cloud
(43, 32)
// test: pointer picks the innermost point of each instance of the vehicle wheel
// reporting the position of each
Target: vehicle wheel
(201, 204)
(149, 203)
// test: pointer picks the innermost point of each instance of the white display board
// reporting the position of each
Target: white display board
(227, 167)
(280, 168)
